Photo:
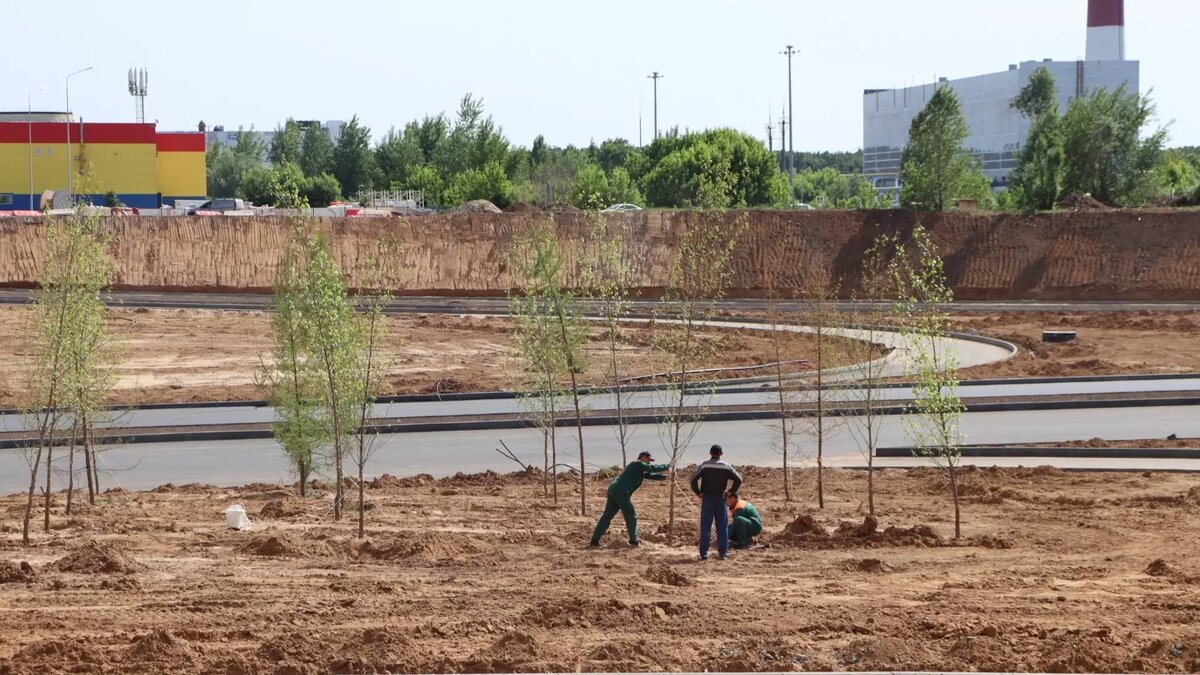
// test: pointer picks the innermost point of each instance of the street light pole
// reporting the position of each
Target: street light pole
(29, 121)
(792, 131)
(656, 76)
(70, 173)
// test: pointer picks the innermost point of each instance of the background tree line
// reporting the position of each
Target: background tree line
(1102, 145)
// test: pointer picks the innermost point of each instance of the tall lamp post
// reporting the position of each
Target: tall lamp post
(792, 131)
(29, 121)
(656, 76)
(70, 173)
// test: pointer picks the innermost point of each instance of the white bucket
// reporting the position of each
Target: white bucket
(235, 518)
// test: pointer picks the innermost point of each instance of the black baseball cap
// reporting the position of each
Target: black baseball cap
(646, 454)
(715, 450)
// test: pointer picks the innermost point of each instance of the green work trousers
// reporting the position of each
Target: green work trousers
(742, 531)
(618, 500)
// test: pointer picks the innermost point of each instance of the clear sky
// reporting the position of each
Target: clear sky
(571, 70)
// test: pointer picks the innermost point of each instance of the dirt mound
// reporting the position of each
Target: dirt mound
(990, 541)
(666, 575)
(13, 573)
(804, 524)
(56, 656)
(610, 613)
(1082, 654)
(1159, 568)
(887, 653)
(804, 531)
(159, 651)
(433, 547)
(983, 653)
(294, 652)
(628, 656)
(97, 558)
(687, 533)
(870, 565)
(379, 650)
(282, 508)
(476, 206)
(758, 655)
(276, 544)
(515, 651)
(386, 481)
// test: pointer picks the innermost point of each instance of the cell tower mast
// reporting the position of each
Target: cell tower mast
(138, 81)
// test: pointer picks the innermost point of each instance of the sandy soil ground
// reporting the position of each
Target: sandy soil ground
(1056, 572)
(1109, 343)
(207, 355)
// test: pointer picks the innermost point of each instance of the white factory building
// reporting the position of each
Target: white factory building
(997, 131)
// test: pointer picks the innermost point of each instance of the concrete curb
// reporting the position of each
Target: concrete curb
(259, 432)
(1048, 453)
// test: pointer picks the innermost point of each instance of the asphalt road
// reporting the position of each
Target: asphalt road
(438, 304)
(144, 466)
(635, 401)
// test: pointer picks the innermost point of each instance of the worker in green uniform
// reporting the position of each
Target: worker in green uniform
(620, 491)
(744, 521)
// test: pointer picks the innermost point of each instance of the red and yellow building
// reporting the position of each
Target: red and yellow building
(144, 167)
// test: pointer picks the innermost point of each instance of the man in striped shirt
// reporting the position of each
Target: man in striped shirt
(711, 480)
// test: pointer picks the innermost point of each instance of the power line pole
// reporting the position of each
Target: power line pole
(792, 123)
(783, 125)
(656, 76)
(770, 136)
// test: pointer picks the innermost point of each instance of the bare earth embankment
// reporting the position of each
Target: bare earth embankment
(1056, 572)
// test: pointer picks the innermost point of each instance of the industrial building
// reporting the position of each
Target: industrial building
(143, 167)
(997, 131)
(217, 135)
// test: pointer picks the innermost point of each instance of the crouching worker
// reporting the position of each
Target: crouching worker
(620, 492)
(744, 521)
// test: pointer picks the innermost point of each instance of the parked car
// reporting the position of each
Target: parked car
(618, 208)
(801, 206)
(222, 207)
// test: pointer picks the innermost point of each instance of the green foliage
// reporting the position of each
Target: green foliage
(293, 378)
(835, 189)
(316, 154)
(719, 169)
(621, 189)
(225, 170)
(551, 336)
(69, 368)
(614, 153)
(923, 303)
(589, 189)
(272, 186)
(397, 155)
(490, 183)
(110, 199)
(1176, 175)
(841, 162)
(1039, 96)
(428, 180)
(1037, 181)
(1106, 152)
(353, 161)
(936, 169)
(285, 145)
(321, 190)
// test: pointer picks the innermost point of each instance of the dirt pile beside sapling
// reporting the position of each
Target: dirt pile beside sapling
(806, 532)
(159, 651)
(13, 573)
(282, 508)
(665, 574)
(94, 557)
(279, 544)
(427, 548)
(56, 656)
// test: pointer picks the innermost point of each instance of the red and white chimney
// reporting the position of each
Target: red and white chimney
(1106, 30)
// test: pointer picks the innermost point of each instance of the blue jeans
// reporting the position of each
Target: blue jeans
(713, 508)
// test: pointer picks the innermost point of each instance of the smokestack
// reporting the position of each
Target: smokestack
(1106, 30)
